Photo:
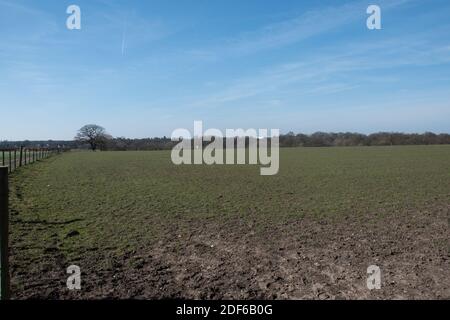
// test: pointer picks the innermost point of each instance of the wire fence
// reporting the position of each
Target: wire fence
(14, 158)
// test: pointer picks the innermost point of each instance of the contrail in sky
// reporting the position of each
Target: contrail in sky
(124, 35)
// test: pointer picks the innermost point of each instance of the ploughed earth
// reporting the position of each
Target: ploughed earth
(305, 258)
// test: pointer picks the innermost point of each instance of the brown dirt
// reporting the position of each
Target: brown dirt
(308, 258)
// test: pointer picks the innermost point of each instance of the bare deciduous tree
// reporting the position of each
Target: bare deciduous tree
(94, 135)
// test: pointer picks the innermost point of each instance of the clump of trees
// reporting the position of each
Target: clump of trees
(123, 144)
(318, 139)
(95, 137)
(62, 144)
(325, 139)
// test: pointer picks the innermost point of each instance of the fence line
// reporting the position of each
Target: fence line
(14, 158)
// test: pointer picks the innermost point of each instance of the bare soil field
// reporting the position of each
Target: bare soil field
(304, 259)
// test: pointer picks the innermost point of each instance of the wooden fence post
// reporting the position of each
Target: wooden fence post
(21, 155)
(4, 230)
(10, 160)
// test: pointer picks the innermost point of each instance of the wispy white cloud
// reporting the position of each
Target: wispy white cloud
(294, 30)
(336, 69)
(14, 5)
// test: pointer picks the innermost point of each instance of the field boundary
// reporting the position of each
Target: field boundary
(14, 158)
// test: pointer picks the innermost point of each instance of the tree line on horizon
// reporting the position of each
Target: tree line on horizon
(317, 139)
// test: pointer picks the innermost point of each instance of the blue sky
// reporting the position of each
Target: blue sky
(145, 68)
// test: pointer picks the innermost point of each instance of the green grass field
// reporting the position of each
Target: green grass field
(122, 200)
(118, 193)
